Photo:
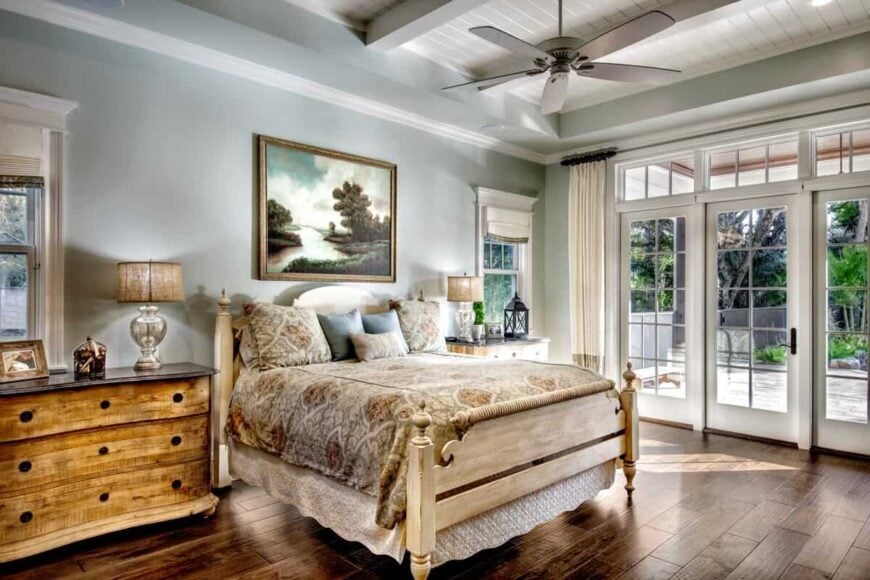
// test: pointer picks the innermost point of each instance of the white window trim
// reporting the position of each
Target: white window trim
(487, 197)
(47, 311)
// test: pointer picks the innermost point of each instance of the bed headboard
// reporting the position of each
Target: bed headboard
(324, 300)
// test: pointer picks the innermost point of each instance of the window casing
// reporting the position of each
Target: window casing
(660, 179)
(842, 152)
(502, 262)
(753, 164)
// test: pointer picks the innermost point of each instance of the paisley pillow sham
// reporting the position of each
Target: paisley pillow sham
(421, 324)
(287, 336)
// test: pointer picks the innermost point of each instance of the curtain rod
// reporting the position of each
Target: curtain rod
(590, 157)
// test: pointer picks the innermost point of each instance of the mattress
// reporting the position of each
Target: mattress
(350, 513)
(348, 420)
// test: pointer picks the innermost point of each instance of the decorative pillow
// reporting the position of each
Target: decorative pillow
(287, 336)
(248, 348)
(338, 328)
(383, 322)
(375, 346)
(421, 324)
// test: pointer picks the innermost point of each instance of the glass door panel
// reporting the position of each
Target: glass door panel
(842, 245)
(749, 263)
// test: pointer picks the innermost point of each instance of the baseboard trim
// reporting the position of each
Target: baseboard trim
(676, 424)
(767, 440)
(838, 453)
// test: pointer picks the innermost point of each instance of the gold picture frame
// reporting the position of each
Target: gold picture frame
(324, 215)
(22, 360)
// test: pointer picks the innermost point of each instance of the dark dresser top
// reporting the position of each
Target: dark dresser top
(501, 341)
(119, 375)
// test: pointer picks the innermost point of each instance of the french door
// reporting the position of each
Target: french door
(752, 352)
(842, 243)
(662, 307)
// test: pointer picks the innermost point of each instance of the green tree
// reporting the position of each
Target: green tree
(353, 206)
(280, 218)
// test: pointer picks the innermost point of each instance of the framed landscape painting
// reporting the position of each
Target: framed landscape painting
(325, 215)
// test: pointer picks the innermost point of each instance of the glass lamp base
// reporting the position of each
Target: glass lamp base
(148, 330)
(464, 317)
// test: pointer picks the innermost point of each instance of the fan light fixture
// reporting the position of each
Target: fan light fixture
(562, 55)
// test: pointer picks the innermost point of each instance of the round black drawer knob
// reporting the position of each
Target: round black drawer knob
(104, 496)
(26, 416)
(25, 517)
(105, 404)
(104, 450)
(176, 440)
(177, 398)
(176, 484)
(24, 466)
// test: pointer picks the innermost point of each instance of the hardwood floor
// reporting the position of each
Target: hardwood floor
(706, 506)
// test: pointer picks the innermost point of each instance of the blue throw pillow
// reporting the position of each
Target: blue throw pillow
(381, 323)
(338, 328)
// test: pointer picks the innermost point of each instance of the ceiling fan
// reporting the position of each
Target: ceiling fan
(561, 55)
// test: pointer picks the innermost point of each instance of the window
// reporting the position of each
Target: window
(657, 305)
(754, 165)
(17, 259)
(846, 152)
(501, 261)
(659, 179)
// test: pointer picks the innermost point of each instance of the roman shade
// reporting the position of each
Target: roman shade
(508, 225)
(15, 165)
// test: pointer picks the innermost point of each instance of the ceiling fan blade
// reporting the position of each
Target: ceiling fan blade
(510, 42)
(555, 92)
(493, 81)
(626, 34)
(628, 73)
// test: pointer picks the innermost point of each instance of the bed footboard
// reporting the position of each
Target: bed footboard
(506, 454)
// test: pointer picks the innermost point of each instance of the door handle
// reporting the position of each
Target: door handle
(792, 343)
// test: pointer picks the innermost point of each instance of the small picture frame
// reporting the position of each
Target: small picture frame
(22, 360)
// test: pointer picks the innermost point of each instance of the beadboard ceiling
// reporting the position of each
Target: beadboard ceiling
(751, 30)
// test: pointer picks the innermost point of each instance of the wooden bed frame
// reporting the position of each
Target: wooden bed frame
(509, 449)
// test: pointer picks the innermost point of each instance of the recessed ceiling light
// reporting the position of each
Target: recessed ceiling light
(820, 3)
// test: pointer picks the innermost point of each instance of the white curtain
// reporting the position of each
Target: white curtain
(586, 263)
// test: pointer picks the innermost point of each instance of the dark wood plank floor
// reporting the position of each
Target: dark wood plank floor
(706, 507)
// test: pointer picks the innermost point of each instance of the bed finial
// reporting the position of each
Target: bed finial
(421, 298)
(421, 421)
(224, 300)
(629, 376)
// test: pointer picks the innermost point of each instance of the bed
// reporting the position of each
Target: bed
(406, 454)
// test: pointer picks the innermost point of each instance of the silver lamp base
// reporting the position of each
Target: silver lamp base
(148, 330)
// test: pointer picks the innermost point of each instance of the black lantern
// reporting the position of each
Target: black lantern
(516, 318)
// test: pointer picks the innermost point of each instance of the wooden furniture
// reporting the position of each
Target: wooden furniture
(531, 348)
(83, 458)
(509, 449)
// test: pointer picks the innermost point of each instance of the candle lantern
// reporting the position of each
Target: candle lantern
(516, 318)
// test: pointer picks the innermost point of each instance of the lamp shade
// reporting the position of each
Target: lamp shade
(465, 288)
(149, 282)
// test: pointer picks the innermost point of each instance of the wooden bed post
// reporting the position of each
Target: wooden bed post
(628, 398)
(223, 385)
(420, 524)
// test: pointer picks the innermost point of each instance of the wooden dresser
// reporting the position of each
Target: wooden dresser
(529, 348)
(83, 458)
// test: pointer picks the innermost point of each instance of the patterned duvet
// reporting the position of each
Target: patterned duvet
(348, 420)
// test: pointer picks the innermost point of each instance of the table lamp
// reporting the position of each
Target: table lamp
(148, 283)
(465, 290)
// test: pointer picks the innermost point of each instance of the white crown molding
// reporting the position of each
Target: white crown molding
(504, 199)
(139, 37)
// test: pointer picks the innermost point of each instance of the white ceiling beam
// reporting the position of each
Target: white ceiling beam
(413, 18)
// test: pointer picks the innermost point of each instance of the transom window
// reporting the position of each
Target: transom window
(845, 152)
(660, 179)
(657, 305)
(754, 165)
(17, 259)
(501, 269)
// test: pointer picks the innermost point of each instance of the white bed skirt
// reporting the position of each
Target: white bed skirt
(351, 514)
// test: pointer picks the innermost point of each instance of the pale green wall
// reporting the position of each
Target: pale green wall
(555, 215)
(160, 163)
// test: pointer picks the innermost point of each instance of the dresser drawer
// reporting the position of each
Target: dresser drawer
(538, 351)
(34, 415)
(35, 463)
(37, 513)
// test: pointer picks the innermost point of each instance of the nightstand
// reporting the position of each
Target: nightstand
(528, 348)
(81, 458)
